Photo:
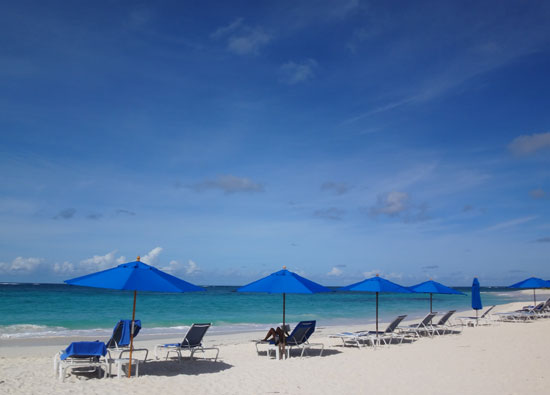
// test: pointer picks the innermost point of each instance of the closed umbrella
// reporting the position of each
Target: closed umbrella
(476, 297)
(134, 276)
(284, 282)
(433, 287)
(376, 284)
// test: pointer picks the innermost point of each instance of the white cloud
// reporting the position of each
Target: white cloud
(63, 268)
(151, 257)
(335, 272)
(294, 73)
(226, 30)
(99, 262)
(20, 265)
(192, 267)
(371, 273)
(529, 144)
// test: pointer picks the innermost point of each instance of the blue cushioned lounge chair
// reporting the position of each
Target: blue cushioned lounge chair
(192, 342)
(84, 356)
(120, 339)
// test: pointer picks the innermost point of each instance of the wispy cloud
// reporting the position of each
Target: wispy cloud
(511, 223)
(67, 213)
(539, 193)
(242, 39)
(229, 184)
(122, 211)
(337, 188)
(292, 73)
(392, 204)
(335, 272)
(529, 144)
(331, 213)
(543, 240)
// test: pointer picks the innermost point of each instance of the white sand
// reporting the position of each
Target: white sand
(510, 358)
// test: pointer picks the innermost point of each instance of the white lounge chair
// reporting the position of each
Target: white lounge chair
(375, 338)
(84, 356)
(483, 319)
(424, 327)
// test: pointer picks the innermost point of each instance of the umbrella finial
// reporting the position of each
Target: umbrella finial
(284, 267)
(377, 274)
(138, 258)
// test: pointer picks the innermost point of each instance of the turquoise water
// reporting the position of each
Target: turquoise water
(39, 310)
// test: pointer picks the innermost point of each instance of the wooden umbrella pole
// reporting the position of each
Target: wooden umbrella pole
(430, 302)
(132, 335)
(534, 298)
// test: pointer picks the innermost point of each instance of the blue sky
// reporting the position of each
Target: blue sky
(223, 140)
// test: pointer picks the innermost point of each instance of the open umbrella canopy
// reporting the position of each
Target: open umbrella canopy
(476, 296)
(532, 283)
(135, 276)
(376, 284)
(284, 282)
(433, 287)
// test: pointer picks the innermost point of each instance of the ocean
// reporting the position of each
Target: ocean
(53, 310)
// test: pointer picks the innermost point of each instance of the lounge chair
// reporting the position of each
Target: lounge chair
(120, 339)
(424, 327)
(356, 338)
(84, 356)
(443, 326)
(299, 338)
(483, 319)
(192, 342)
(527, 314)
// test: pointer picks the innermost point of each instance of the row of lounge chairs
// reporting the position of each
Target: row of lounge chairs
(98, 356)
(527, 313)
(397, 334)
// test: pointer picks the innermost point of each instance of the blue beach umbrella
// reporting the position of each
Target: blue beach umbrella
(284, 282)
(476, 296)
(134, 276)
(433, 287)
(376, 284)
(532, 283)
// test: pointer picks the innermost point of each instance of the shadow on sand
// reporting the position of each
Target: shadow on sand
(186, 366)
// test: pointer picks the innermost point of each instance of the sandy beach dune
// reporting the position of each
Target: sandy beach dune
(510, 358)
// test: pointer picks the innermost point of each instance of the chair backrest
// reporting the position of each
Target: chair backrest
(488, 311)
(121, 333)
(301, 332)
(429, 317)
(193, 337)
(84, 350)
(394, 324)
(443, 320)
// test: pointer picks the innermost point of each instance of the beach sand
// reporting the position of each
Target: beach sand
(507, 358)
